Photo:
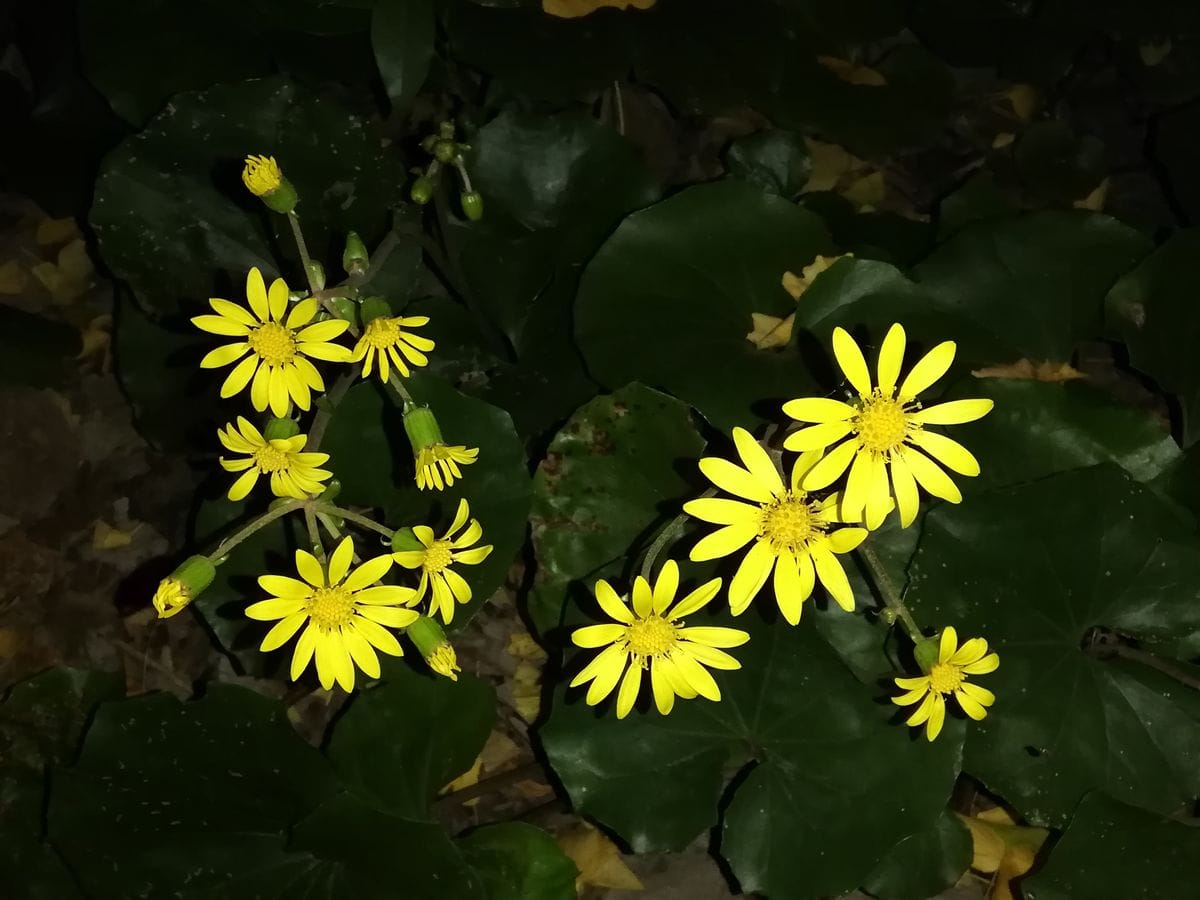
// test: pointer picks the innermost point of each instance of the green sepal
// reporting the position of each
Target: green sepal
(283, 199)
(404, 540)
(421, 426)
(472, 205)
(374, 308)
(345, 308)
(195, 573)
(280, 429)
(926, 653)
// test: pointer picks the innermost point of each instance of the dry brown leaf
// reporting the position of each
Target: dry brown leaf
(829, 165)
(597, 858)
(573, 9)
(1028, 370)
(1023, 98)
(12, 278)
(56, 231)
(852, 73)
(105, 537)
(1002, 849)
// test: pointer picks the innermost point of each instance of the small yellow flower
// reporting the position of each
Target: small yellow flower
(796, 535)
(949, 676)
(438, 465)
(652, 636)
(436, 557)
(261, 175)
(385, 337)
(184, 585)
(884, 431)
(345, 615)
(279, 347)
(293, 472)
(171, 597)
(443, 660)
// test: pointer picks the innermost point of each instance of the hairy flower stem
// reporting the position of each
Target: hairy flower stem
(302, 249)
(669, 532)
(339, 512)
(887, 590)
(314, 535)
(245, 531)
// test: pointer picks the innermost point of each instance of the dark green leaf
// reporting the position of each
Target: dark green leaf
(668, 299)
(1056, 165)
(405, 739)
(402, 33)
(1035, 283)
(1153, 309)
(924, 864)
(620, 464)
(519, 862)
(34, 350)
(1175, 150)
(1034, 569)
(871, 235)
(1114, 850)
(976, 199)
(774, 160)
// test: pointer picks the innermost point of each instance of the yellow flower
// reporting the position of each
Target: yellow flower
(444, 661)
(184, 585)
(795, 534)
(385, 336)
(884, 430)
(261, 175)
(171, 597)
(345, 615)
(438, 464)
(573, 9)
(293, 473)
(279, 348)
(949, 676)
(437, 555)
(652, 636)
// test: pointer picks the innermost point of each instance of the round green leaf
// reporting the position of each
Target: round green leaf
(402, 33)
(1153, 309)
(1111, 849)
(833, 786)
(516, 861)
(34, 350)
(1035, 283)
(173, 219)
(1033, 569)
(668, 299)
(774, 160)
(924, 864)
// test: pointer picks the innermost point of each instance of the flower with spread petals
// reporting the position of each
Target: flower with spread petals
(948, 675)
(384, 338)
(434, 557)
(344, 614)
(883, 432)
(796, 535)
(279, 346)
(293, 472)
(652, 636)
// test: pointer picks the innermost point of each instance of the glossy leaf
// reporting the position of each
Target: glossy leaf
(924, 864)
(402, 33)
(516, 861)
(775, 160)
(1034, 570)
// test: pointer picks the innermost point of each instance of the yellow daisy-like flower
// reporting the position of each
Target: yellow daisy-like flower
(884, 431)
(949, 676)
(293, 473)
(261, 175)
(437, 556)
(652, 636)
(279, 347)
(796, 535)
(438, 464)
(386, 339)
(345, 615)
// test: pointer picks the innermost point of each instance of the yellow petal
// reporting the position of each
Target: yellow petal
(612, 605)
(239, 377)
(854, 498)
(630, 685)
(712, 657)
(735, 480)
(643, 598)
(989, 663)
(973, 709)
(591, 636)
(714, 636)
(304, 651)
(256, 293)
(932, 366)
(277, 391)
(720, 511)
(817, 437)
(274, 608)
(956, 412)
(309, 568)
(905, 490)
(757, 461)
(971, 651)
(243, 485)
(665, 586)
(697, 677)
(891, 357)
(302, 313)
(936, 717)
(232, 311)
(341, 557)
(818, 409)
(790, 592)
(607, 675)
(282, 631)
(851, 360)
(931, 476)
(980, 695)
(948, 645)
(696, 600)
(220, 325)
(724, 541)
(751, 576)
(321, 332)
(833, 577)
(601, 662)
(277, 298)
(831, 466)
(368, 573)
(846, 539)
(260, 394)
(948, 452)
(664, 695)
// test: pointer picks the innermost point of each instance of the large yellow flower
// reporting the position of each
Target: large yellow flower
(345, 615)
(293, 473)
(278, 367)
(949, 676)
(652, 636)
(884, 430)
(438, 555)
(385, 338)
(797, 535)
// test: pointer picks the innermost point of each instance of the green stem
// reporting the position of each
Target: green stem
(669, 532)
(397, 385)
(1107, 646)
(314, 536)
(302, 249)
(366, 522)
(325, 412)
(887, 590)
(244, 532)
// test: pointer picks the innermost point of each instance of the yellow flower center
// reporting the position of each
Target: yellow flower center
(331, 608)
(273, 343)
(788, 522)
(381, 333)
(269, 459)
(437, 556)
(651, 636)
(945, 678)
(882, 423)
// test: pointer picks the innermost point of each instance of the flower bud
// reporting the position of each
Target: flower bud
(438, 652)
(444, 151)
(422, 190)
(429, 142)
(316, 275)
(183, 585)
(472, 205)
(332, 489)
(374, 308)
(926, 652)
(404, 539)
(280, 429)
(354, 258)
(263, 178)
(446, 130)
(345, 308)
(421, 426)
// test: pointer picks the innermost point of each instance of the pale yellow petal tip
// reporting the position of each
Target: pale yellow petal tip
(261, 175)
(444, 661)
(171, 597)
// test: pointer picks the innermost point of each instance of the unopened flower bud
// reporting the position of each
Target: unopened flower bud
(438, 652)
(422, 190)
(421, 426)
(445, 151)
(316, 275)
(472, 205)
(183, 585)
(354, 258)
(264, 179)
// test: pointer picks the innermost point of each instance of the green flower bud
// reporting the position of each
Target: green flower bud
(183, 585)
(280, 429)
(438, 652)
(421, 426)
(345, 308)
(404, 539)
(422, 189)
(332, 488)
(283, 199)
(429, 142)
(354, 258)
(446, 131)
(316, 275)
(472, 205)
(374, 308)
(926, 653)
(444, 151)
(264, 179)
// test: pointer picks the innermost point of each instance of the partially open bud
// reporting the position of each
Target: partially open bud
(354, 258)
(421, 426)
(264, 180)
(438, 652)
(472, 205)
(183, 585)
(280, 429)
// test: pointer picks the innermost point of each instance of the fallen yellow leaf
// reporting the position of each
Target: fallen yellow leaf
(1095, 200)
(573, 9)
(770, 332)
(105, 537)
(56, 231)
(527, 679)
(852, 73)
(1002, 849)
(72, 275)
(1154, 52)
(597, 858)
(12, 278)
(1030, 371)
(95, 340)
(1002, 140)
(829, 165)
(797, 285)
(866, 192)
(1023, 98)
